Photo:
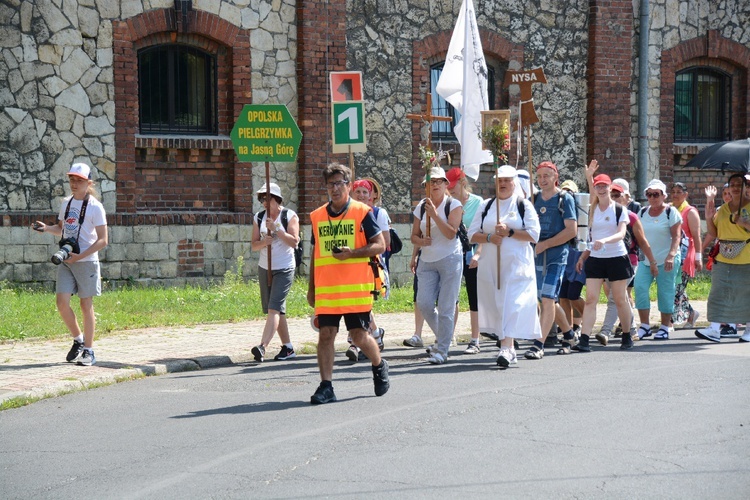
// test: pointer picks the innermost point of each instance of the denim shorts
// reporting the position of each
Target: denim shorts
(549, 277)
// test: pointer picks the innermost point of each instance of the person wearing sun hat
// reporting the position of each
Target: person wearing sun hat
(662, 226)
(626, 200)
(83, 220)
(440, 262)
(508, 307)
(606, 258)
(275, 231)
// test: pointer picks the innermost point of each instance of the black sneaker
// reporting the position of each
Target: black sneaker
(490, 336)
(727, 331)
(258, 352)
(285, 353)
(550, 341)
(88, 358)
(323, 394)
(626, 342)
(583, 344)
(380, 378)
(75, 352)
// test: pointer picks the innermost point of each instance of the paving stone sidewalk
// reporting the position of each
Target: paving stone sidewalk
(38, 369)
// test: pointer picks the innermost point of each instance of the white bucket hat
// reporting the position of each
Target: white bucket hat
(275, 190)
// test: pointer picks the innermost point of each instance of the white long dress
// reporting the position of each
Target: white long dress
(510, 311)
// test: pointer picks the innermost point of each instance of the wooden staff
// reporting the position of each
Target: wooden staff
(531, 172)
(497, 215)
(269, 274)
(351, 162)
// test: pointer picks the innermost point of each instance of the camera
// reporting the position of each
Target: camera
(67, 246)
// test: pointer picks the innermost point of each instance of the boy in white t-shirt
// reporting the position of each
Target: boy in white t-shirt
(82, 228)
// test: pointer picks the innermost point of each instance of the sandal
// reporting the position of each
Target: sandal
(643, 332)
(565, 349)
(436, 359)
(534, 353)
(662, 334)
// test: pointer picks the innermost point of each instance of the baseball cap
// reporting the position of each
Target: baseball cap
(623, 184)
(80, 170)
(454, 175)
(602, 179)
(547, 164)
(506, 172)
(275, 190)
(617, 187)
(570, 185)
(656, 184)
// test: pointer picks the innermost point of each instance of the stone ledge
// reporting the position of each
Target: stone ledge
(183, 142)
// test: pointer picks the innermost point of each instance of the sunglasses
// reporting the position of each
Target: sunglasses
(615, 194)
(653, 195)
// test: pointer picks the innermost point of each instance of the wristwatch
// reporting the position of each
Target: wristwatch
(511, 232)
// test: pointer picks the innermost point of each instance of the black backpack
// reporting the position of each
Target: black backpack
(396, 243)
(462, 233)
(285, 222)
(521, 211)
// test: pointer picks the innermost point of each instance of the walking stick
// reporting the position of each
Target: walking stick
(269, 275)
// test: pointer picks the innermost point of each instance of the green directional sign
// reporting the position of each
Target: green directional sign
(348, 125)
(266, 132)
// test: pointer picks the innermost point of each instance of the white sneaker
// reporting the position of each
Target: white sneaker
(708, 334)
(746, 336)
(506, 358)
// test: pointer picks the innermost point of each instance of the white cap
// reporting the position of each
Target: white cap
(623, 184)
(275, 190)
(80, 170)
(656, 184)
(438, 173)
(506, 172)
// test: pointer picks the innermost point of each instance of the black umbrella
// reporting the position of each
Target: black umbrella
(730, 156)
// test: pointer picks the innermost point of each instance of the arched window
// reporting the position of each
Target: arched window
(702, 108)
(444, 130)
(177, 90)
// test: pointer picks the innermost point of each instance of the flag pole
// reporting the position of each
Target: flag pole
(464, 94)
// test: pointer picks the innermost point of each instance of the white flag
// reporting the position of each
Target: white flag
(463, 83)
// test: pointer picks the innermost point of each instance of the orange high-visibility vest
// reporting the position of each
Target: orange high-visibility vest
(341, 286)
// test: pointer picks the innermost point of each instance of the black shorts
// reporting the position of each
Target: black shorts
(571, 290)
(611, 268)
(352, 321)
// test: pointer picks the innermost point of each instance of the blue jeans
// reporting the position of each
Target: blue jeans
(440, 282)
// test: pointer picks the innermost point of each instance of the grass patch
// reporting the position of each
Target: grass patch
(34, 314)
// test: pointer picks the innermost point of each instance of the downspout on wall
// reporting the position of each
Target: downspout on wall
(641, 173)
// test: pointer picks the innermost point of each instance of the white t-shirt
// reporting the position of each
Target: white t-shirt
(282, 255)
(441, 246)
(604, 226)
(94, 216)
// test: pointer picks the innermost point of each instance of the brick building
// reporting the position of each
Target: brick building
(147, 91)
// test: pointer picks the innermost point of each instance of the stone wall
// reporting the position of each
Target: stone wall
(382, 35)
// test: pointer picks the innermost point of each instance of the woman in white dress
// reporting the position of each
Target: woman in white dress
(508, 310)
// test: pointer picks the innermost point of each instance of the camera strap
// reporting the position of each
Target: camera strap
(82, 214)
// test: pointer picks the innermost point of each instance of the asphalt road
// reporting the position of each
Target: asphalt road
(666, 420)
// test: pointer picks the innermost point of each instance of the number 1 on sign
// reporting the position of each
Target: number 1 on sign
(351, 115)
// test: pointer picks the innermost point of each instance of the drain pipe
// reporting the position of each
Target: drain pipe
(641, 172)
